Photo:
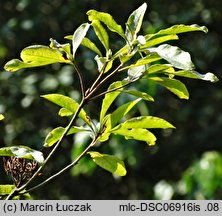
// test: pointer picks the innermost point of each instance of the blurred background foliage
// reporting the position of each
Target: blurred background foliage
(186, 163)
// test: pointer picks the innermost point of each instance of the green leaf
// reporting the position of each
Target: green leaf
(136, 128)
(109, 163)
(137, 72)
(121, 111)
(89, 44)
(139, 94)
(65, 112)
(1, 117)
(147, 122)
(67, 103)
(153, 40)
(177, 29)
(159, 68)
(6, 189)
(195, 75)
(173, 85)
(78, 36)
(152, 57)
(134, 22)
(175, 56)
(35, 56)
(103, 65)
(56, 134)
(108, 20)
(22, 152)
(101, 33)
(110, 97)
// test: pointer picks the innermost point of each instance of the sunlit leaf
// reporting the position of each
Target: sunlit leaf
(139, 94)
(159, 68)
(22, 152)
(103, 65)
(175, 56)
(67, 103)
(177, 29)
(134, 22)
(1, 117)
(152, 57)
(35, 56)
(107, 19)
(140, 134)
(6, 189)
(155, 39)
(147, 122)
(173, 85)
(195, 75)
(78, 36)
(109, 163)
(110, 97)
(65, 112)
(56, 134)
(101, 33)
(89, 44)
(121, 111)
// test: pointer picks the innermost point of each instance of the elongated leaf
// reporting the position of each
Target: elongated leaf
(159, 68)
(108, 20)
(78, 36)
(89, 44)
(173, 85)
(136, 134)
(109, 163)
(110, 97)
(134, 22)
(157, 39)
(36, 56)
(67, 103)
(177, 29)
(175, 56)
(147, 122)
(143, 61)
(56, 134)
(139, 94)
(101, 33)
(22, 152)
(121, 111)
(195, 75)
(1, 117)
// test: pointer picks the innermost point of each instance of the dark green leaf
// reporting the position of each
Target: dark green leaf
(78, 36)
(109, 163)
(107, 19)
(173, 85)
(22, 152)
(67, 103)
